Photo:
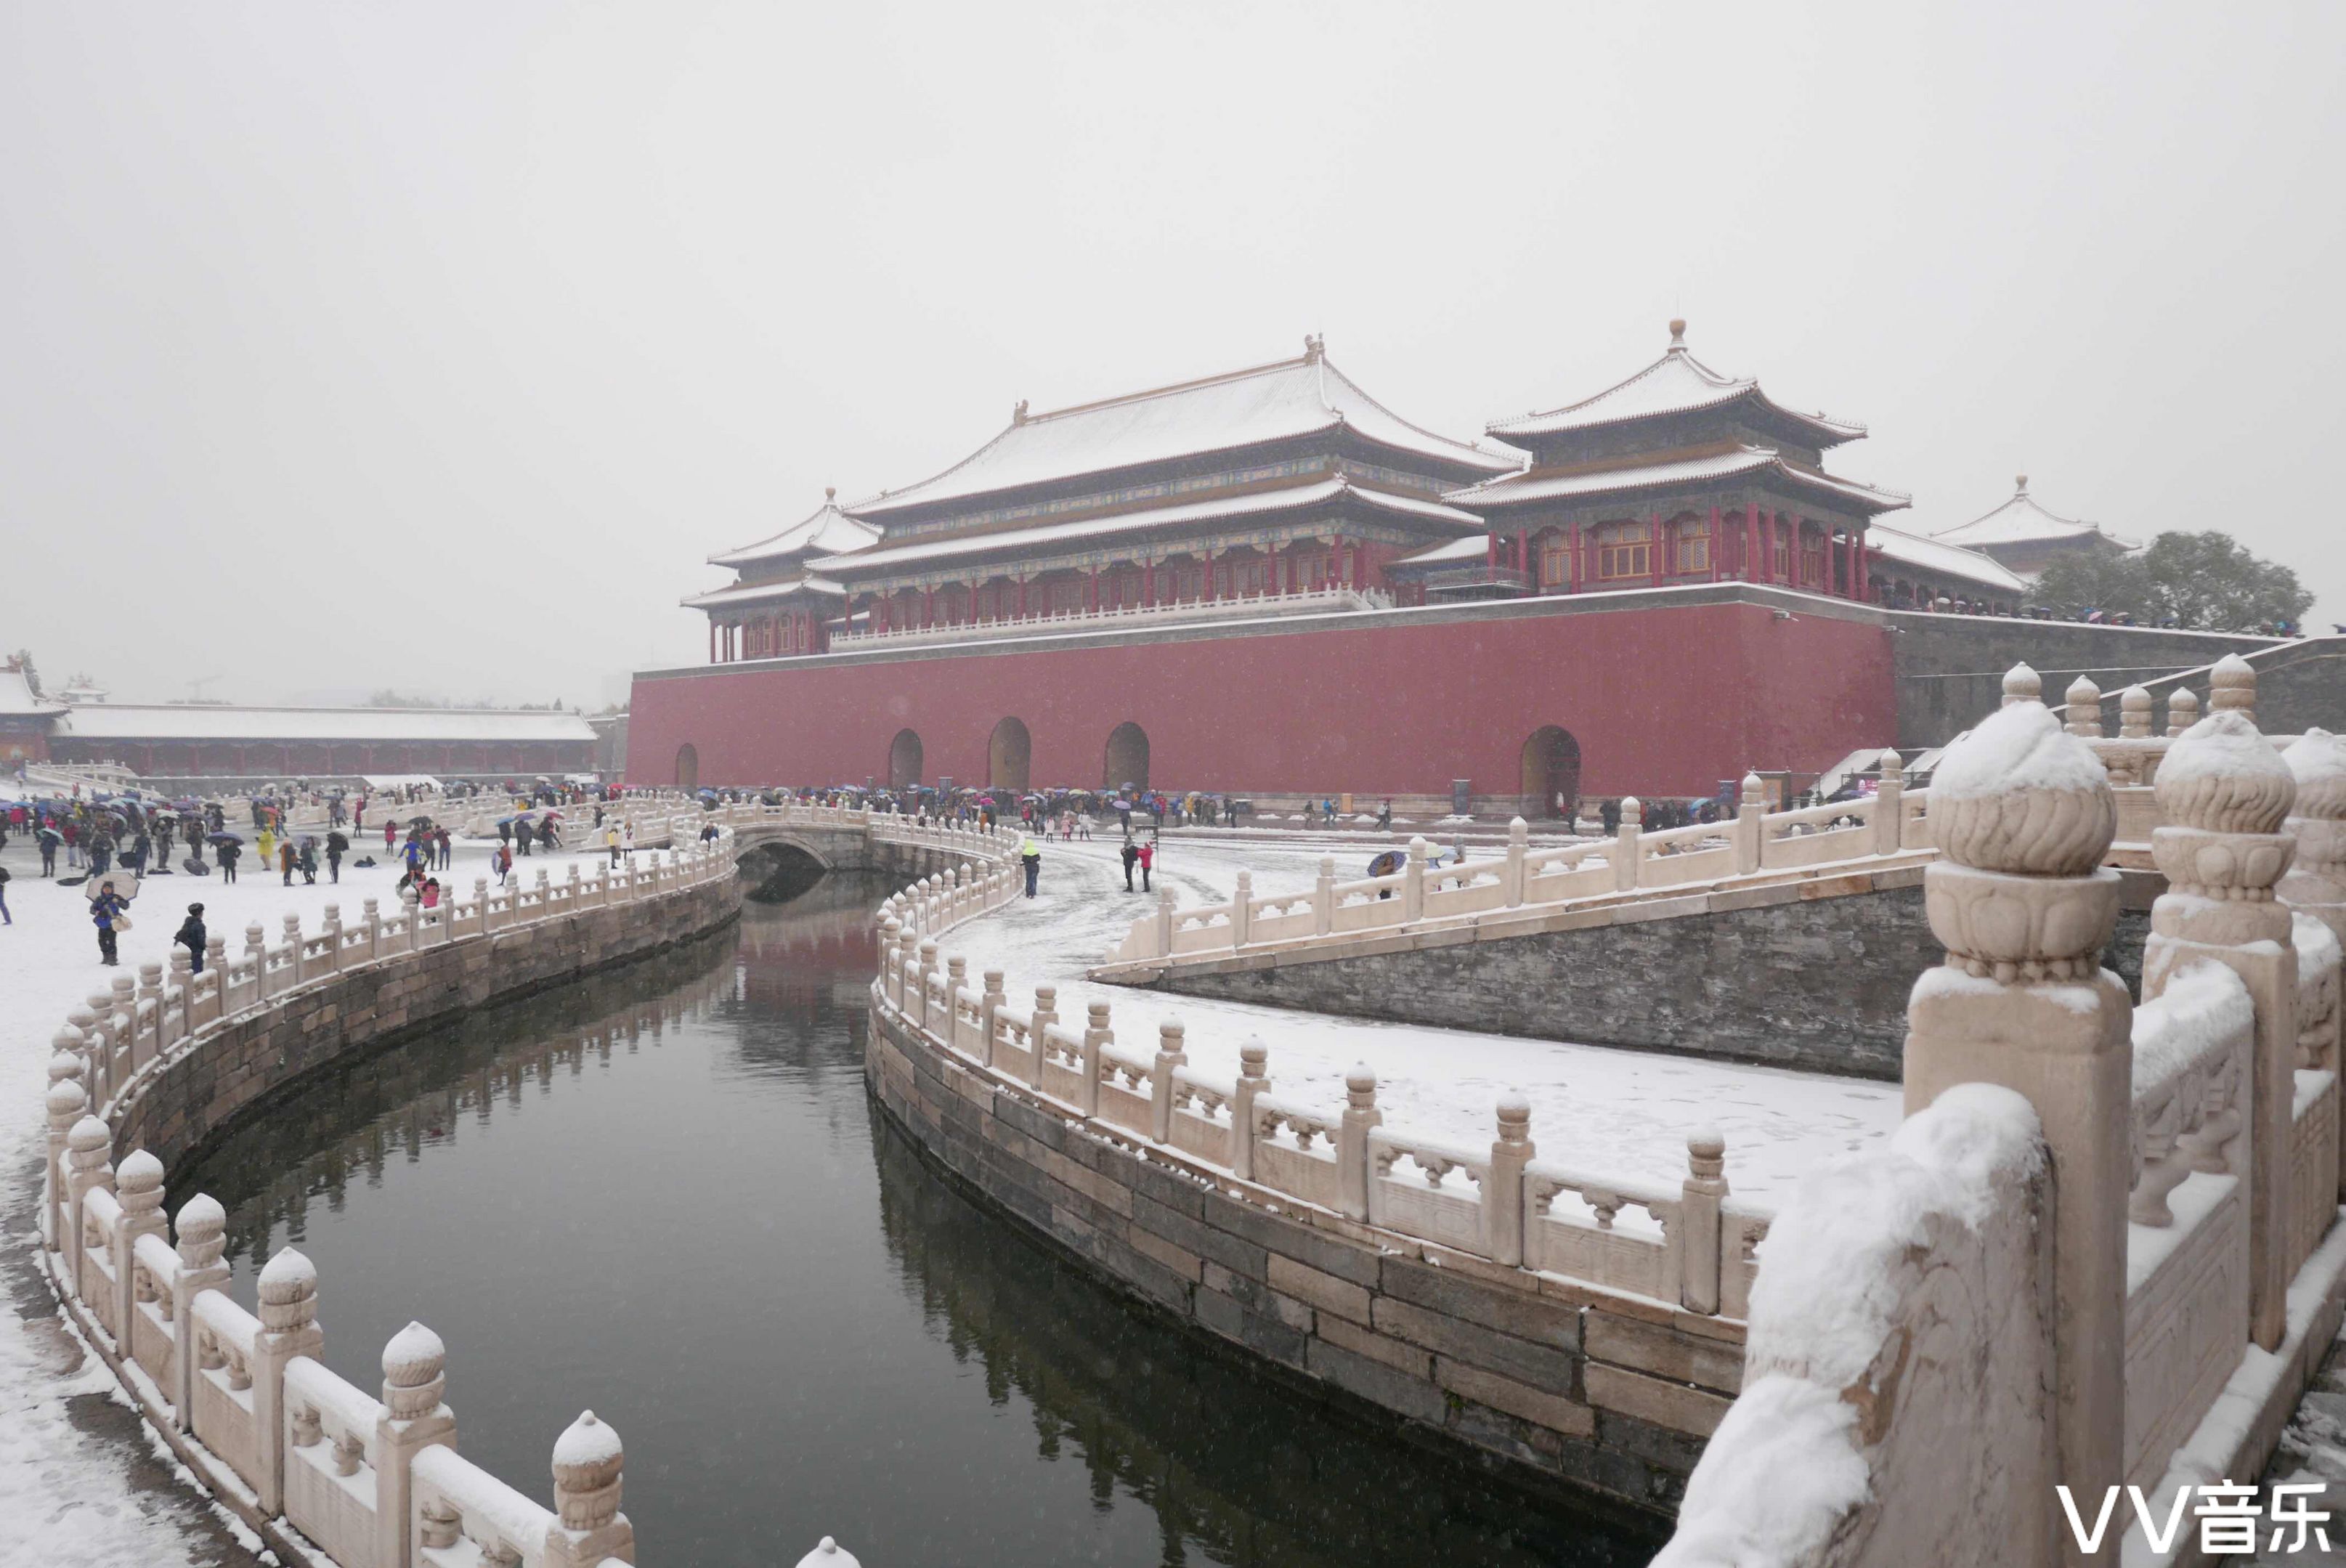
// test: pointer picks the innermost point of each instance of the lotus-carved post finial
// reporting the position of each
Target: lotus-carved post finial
(2317, 760)
(2017, 795)
(2182, 710)
(2084, 708)
(202, 1227)
(2222, 777)
(2232, 686)
(2020, 684)
(588, 1461)
(2134, 713)
(414, 1372)
(289, 1292)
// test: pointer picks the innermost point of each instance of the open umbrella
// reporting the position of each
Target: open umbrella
(336, 842)
(223, 839)
(419, 821)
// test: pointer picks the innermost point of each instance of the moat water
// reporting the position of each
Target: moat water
(664, 1194)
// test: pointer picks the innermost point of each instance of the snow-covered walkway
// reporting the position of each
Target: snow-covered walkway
(79, 1482)
(1620, 1114)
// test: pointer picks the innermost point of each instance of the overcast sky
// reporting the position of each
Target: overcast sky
(436, 346)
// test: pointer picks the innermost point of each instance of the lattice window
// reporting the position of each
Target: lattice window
(1554, 560)
(1625, 550)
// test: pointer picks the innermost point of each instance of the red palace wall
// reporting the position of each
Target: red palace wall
(1666, 699)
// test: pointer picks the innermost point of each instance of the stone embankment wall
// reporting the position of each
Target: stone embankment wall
(1602, 1391)
(1812, 975)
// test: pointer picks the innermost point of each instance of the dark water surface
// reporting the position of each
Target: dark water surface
(663, 1194)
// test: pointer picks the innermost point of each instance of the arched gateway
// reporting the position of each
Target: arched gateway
(1551, 772)
(1008, 756)
(905, 760)
(687, 767)
(1126, 763)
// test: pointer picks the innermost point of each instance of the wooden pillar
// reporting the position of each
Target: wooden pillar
(1095, 591)
(1864, 574)
(712, 639)
(1576, 571)
(1751, 541)
(1768, 554)
(1147, 583)
(1654, 560)
(1208, 592)
(1717, 544)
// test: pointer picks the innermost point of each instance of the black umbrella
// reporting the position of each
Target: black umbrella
(223, 839)
(336, 843)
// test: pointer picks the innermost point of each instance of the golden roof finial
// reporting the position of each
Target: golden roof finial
(1678, 332)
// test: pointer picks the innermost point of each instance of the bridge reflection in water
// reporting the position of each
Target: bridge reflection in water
(664, 1193)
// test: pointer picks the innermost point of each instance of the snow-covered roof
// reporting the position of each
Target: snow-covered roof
(16, 698)
(2022, 520)
(1512, 488)
(1926, 555)
(1678, 382)
(1219, 413)
(210, 721)
(830, 532)
(1451, 552)
(756, 592)
(1291, 498)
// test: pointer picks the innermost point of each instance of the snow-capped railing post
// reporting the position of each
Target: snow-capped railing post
(1890, 805)
(1046, 1012)
(1750, 823)
(293, 951)
(1239, 911)
(1627, 851)
(927, 971)
(1701, 1195)
(87, 1171)
(67, 1103)
(989, 1004)
(1253, 1081)
(256, 954)
(2023, 814)
(1172, 1052)
(1413, 881)
(289, 1327)
(2232, 688)
(139, 1184)
(2083, 716)
(414, 1416)
(216, 967)
(1164, 922)
(181, 985)
(2022, 684)
(373, 921)
(202, 1229)
(1503, 1188)
(1323, 898)
(891, 979)
(2315, 883)
(908, 969)
(1511, 880)
(1361, 1114)
(412, 901)
(334, 928)
(956, 977)
(2224, 793)
(1097, 1037)
(2134, 713)
(589, 1530)
(2182, 711)
(149, 1037)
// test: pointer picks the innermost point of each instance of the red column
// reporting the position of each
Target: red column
(1718, 545)
(712, 639)
(1208, 593)
(1095, 591)
(1522, 549)
(1148, 581)
(1768, 557)
(1864, 571)
(1660, 547)
(1751, 541)
(929, 605)
(1575, 570)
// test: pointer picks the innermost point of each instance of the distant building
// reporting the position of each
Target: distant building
(1913, 572)
(2027, 538)
(215, 740)
(26, 717)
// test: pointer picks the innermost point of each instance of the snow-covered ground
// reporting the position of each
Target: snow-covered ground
(1621, 1113)
(79, 1482)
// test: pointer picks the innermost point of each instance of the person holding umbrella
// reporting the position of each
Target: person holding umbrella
(308, 861)
(336, 845)
(230, 847)
(106, 911)
(48, 838)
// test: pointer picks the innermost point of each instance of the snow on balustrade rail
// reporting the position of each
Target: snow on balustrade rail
(1309, 601)
(366, 1483)
(1694, 1249)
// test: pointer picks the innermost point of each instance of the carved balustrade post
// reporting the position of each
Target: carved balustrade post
(2232, 688)
(373, 920)
(256, 952)
(1361, 1114)
(1626, 849)
(2084, 714)
(1413, 881)
(293, 951)
(2022, 814)
(289, 1327)
(2022, 684)
(928, 956)
(2134, 713)
(1098, 1038)
(1323, 897)
(2315, 883)
(988, 1007)
(1253, 1082)
(147, 1038)
(1700, 1198)
(202, 1239)
(1890, 805)
(139, 1187)
(87, 1171)
(956, 976)
(215, 966)
(1046, 1012)
(414, 1416)
(2182, 711)
(1502, 1188)
(1164, 922)
(1750, 824)
(1241, 914)
(182, 984)
(66, 1104)
(2225, 794)
(334, 928)
(1511, 889)
(1172, 1052)
(589, 1530)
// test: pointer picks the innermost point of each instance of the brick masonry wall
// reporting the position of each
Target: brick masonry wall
(1554, 1382)
(1818, 983)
